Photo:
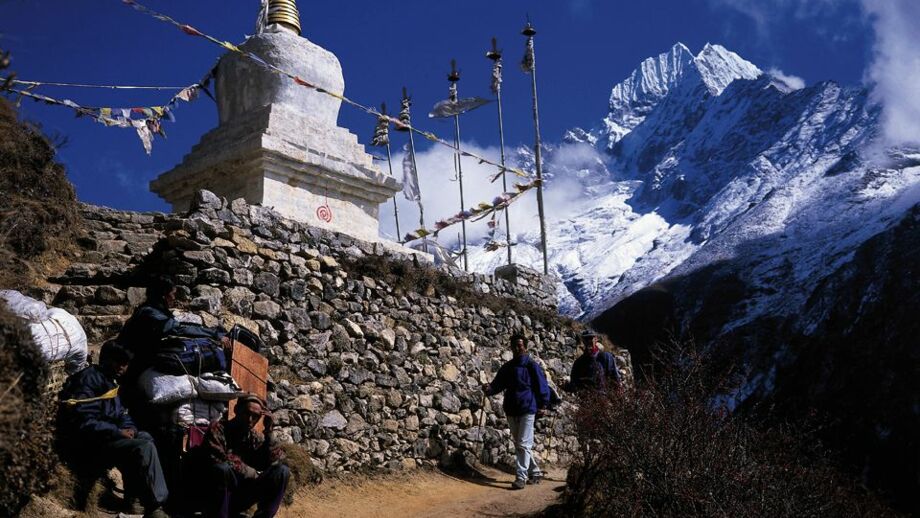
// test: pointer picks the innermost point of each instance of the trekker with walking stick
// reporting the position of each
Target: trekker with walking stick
(526, 397)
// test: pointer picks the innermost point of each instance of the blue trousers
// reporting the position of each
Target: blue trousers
(522, 434)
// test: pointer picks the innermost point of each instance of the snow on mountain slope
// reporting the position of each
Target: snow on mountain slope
(704, 156)
(633, 99)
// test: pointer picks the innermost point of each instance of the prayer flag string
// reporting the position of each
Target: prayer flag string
(476, 213)
(147, 124)
(80, 85)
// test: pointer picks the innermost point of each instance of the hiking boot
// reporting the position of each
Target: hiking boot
(518, 484)
(132, 506)
(535, 479)
(156, 513)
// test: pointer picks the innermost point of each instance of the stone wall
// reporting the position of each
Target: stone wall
(376, 357)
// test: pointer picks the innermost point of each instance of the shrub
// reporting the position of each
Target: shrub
(26, 431)
(39, 215)
(663, 449)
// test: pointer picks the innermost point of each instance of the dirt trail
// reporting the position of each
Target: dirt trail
(427, 493)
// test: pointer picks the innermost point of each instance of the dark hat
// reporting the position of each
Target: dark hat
(251, 398)
(588, 333)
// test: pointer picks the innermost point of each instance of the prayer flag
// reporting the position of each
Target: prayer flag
(450, 108)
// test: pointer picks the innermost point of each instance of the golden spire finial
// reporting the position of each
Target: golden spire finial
(284, 12)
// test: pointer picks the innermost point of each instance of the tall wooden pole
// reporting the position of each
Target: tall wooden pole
(383, 111)
(496, 56)
(453, 78)
(405, 117)
(529, 32)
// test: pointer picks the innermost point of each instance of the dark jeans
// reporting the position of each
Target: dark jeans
(139, 464)
(233, 494)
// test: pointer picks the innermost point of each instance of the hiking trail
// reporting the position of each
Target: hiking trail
(427, 494)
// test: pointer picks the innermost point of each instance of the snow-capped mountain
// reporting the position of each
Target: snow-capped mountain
(703, 155)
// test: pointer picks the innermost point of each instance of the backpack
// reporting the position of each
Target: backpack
(179, 355)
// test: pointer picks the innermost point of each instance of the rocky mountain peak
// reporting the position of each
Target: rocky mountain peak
(719, 66)
(636, 96)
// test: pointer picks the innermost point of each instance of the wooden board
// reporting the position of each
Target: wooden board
(250, 371)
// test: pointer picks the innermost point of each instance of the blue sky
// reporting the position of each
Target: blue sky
(584, 47)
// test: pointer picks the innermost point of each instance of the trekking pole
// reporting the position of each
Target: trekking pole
(482, 423)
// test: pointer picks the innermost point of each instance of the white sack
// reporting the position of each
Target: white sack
(198, 412)
(24, 306)
(61, 337)
(161, 389)
(216, 386)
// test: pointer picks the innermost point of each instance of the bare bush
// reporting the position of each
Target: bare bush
(664, 449)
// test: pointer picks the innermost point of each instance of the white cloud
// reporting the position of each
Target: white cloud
(894, 73)
(441, 195)
(794, 82)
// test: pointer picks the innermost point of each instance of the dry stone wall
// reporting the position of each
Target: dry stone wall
(376, 356)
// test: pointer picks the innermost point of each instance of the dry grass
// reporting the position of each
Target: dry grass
(424, 279)
(39, 216)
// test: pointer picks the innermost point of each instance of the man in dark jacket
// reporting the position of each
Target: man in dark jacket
(93, 426)
(594, 369)
(526, 396)
(244, 467)
(153, 320)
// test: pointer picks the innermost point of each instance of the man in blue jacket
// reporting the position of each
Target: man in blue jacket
(94, 427)
(526, 397)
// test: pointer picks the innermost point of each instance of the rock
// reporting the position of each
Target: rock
(213, 276)
(328, 263)
(242, 277)
(315, 285)
(109, 295)
(335, 420)
(450, 373)
(318, 367)
(204, 200)
(199, 256)
(239, 300)
(136, 296)
(388, 337)
(356, 424)
(320, 320)
(266, 283)
(245, 245)
(412, 423)
(449, 402)
(266, 309)
(353, 329)
(208, 298)
(295, 289)
(347, 447)
(303, 403)
(300, 318)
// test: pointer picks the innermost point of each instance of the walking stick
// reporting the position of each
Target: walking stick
(482, 423)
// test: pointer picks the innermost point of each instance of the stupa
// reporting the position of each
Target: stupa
(278, 144)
